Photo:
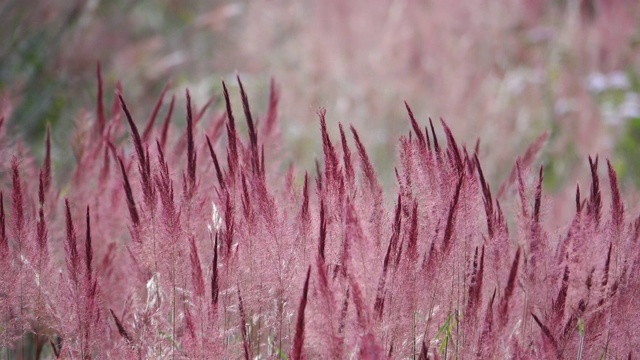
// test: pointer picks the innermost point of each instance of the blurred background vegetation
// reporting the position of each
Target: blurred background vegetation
(501, 71)
(49, 51)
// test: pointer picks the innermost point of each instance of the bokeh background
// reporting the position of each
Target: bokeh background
(503, 71)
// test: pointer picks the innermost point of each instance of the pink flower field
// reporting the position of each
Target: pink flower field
(203, 242)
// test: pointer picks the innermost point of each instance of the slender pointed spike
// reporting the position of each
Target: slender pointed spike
(46, 166)
(216, 164)
(367, 167)
(305, 198)
(416, 127)
(426, 134)
(253, 137)
(121, 329)
(137, 140)
(100, 101)
(88, 248)
(435, 138)
(538, 196)
(231, 130)
(348, 165)
(165, 124)
(4, 245)
(617, 206)
(214, 274)
(298, 339)
(453, 146)
(154, 114)
(191, 153)
(133, 212)
(323, 231)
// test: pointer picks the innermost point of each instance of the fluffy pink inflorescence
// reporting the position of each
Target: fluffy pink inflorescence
(240, 263)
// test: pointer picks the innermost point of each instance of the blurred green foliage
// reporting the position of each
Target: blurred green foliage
(25, 66)
(49, 51)
(628, 149)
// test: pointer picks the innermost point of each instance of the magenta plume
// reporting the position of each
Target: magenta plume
(595, 200)
(549, 342)
(435, 138)
(46, 165)
(41, 226)
(331, 159)
(154, 114)
(196, 270)
(262, 170)
(121, 330)
(102, 119)
(521, 190)
(617, 207)
(416, 127)
(298, 339)
(88, 248)
(348, 165)
(412, 245)
(479, 279)
(453, 146)
(18, 201)
(475, 286)
(367, 167)
(243, 328)
(246, 200)
(451, 217)
(323, 232)
(378, 305)
(4, 242)
(253, 135)
(538, 197)
(165, 124)
(369, 347)
(304, 213)
(426, 134)
(605, 275)
(215, 287)
(229, 222)
(216, 164)
(133, 212)
(487, 336)
(508, 290)
(487, 200)
(191, 152)
(560, 300)
(135, 135)
(231, 132)
(70, 246)
(396, 229)
(318, 176)
(144, 165)
(578, 199)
